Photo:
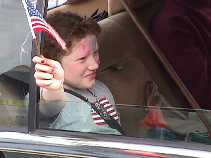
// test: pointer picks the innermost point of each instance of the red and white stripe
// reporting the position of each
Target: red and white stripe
(109, 109)
(40, 25)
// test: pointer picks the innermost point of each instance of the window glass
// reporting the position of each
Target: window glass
(149, 102)
(15, 59)
(152, 103)
(165, 123)
(176, 37)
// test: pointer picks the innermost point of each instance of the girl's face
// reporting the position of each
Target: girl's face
(81, 65)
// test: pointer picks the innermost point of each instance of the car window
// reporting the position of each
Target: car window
(152, 94)
(149, 102)
(15, 57)
(166, 123)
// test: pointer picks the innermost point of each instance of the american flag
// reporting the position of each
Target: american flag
(109, 109)
(38, 23)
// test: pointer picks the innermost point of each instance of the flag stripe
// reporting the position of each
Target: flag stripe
(106, 104)
(101, 123)
(94, 116)
(98, 119)
(102, 99)
(38, 24)
(113, 113)
(109, 109)
(116, 117)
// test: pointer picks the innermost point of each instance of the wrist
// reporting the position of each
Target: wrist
(52, 94)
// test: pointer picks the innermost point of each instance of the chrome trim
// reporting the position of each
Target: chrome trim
(68, 142)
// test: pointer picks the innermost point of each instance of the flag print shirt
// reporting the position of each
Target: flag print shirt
(78, 115)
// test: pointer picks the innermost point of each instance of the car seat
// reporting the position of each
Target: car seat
(129, 63)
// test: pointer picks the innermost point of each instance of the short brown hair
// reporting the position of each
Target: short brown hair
(71, 28)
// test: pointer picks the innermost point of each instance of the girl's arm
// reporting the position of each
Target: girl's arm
(49, 76)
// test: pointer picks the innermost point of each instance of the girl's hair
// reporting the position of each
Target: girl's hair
(71, 28)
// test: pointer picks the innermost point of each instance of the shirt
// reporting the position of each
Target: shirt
(77, 115)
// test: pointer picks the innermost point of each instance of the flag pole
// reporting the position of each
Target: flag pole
(37, 44)
(33, 94)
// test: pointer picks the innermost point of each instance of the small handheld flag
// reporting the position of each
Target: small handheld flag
(38, 24)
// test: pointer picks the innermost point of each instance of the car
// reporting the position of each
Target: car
(155, 108)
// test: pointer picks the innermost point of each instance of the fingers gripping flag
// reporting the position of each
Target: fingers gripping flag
(38, 24)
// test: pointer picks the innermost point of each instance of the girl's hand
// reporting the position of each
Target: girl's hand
(49, 74)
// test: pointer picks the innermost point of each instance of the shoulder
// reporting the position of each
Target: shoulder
(102, 90)
(100, 86)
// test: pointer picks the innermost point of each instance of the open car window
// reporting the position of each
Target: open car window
(151, 106)
(148, 101)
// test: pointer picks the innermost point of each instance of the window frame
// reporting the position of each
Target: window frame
(70, 144)
(33, 126)
(33, 110)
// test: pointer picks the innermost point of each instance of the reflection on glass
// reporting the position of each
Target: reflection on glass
(161, 123)
(164, 123)
(14, 64)
(189, 41)
(181, 39)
